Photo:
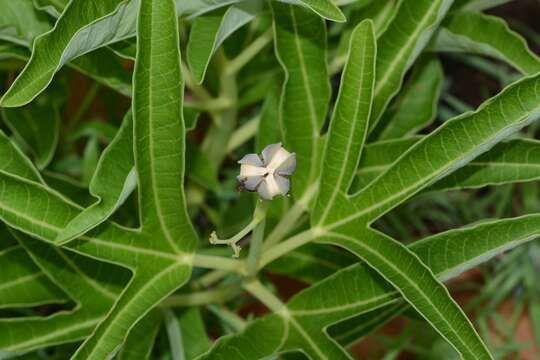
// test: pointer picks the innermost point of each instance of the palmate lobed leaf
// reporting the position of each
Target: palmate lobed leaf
(92, 285)
(156, 254)
(358, 289)
(159, 254)
(23, 284)
(306, 90)
(113, 181)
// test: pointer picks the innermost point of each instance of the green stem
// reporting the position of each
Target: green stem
(199, 91)
(218, 295)
(290, 219)
(210, 105)
(217, 262)
(224, 123)
(243, 134)
(230, 318)
(209, 278)
(249, 53)
(84, 106)
(255, 249)
(262, 294)
(258, 216)
(288, 245)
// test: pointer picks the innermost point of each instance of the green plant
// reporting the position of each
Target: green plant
(106, 250)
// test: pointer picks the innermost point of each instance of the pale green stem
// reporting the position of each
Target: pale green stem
(174, 333)
(258, 215)
(217, 262)
(199, 91)
(210, 278)
(262, 294)
(243, 134)
(84, 106)
(290, 219)
(249, 53)
(202, 297)
(288, 245)
(255, 249)
(210, 105)
(230, 318)
(217, 138)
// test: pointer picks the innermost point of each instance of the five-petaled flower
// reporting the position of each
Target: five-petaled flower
(269, 176)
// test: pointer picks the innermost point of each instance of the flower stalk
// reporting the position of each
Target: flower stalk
(258, 215)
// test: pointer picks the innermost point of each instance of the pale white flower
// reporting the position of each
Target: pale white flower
(269, 176)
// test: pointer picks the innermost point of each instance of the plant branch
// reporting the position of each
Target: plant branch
(287, 246)
(290, 219)
(255, 249)
(262, 294)
(217, 262)
(249, 53)
(218, 295)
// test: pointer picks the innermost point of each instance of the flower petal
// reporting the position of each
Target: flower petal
(269, 152)
(251, 159)
(251, 182)
(250, 170)
(269, 188)
(283, 183)
(288, 166)
(279, 158)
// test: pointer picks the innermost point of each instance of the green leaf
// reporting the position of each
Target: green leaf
(20, 23)
(443, 151)
(486, 35)
(349, 123)
(23, 284)
(209, 31)
(350, 331)
(140, 341)
(324, 8)
(110, 73)
(311, 263)
(416, 106)
(13, 161)
(159, 137)
(479, 5)
(91, 284)
(300, 45)
(90, 159)
(113, 181)
(37, 125)
(357, 290)
(407, 34)
(51, 7)
(195, 339)
(508, 162)
(174, 334)
(416, 283)
(82, 27)
(450, 147)
(195, 8)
